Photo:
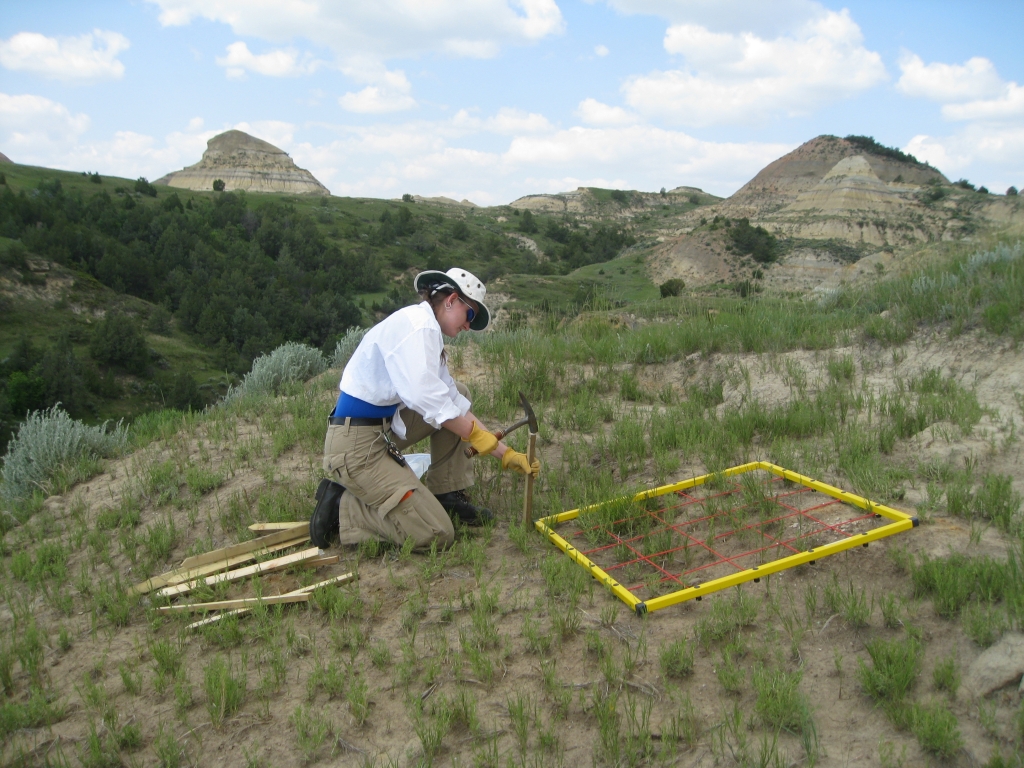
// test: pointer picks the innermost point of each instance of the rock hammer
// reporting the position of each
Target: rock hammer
(529, 418)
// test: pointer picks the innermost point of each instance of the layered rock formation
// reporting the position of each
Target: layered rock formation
(850, 185)
(783, 181)
(842, 206)
(563, 202)
(244, 162)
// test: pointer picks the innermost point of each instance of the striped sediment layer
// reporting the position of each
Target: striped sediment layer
(244, 162)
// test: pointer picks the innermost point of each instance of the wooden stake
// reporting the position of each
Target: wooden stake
(276, 564)
(319, 562)
(343, 579)
(531, 454)
(275, 526)
(279, 537)
(179, 575)
(244, 602)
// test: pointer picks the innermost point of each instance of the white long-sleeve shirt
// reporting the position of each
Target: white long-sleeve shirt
(399, 362)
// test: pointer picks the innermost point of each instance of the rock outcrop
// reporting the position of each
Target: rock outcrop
(244, 162)
(782, 182)
(4, 158)
(850, 185)
(843, 210)
(562, 202)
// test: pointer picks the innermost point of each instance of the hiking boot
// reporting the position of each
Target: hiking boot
(323, 525)
(458, 505)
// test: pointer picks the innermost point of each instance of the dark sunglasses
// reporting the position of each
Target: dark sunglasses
(470, 312)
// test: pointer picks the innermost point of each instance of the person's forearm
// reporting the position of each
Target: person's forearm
(463, 425)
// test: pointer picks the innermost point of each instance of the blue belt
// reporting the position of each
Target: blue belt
(348, 406)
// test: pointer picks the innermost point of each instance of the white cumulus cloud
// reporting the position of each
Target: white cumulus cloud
(1007, 106)
(972, 91)
(765, 19)
(509, 121)
(365, 35)
(86, 58)
(594, 112)
(383, 28)
(32, 127)
(742, 78)
(284, 62)
(601, 50)
(974, 79)
(465, 157)
(992, 155)
(386, 90)
(376, 100)
(489, 159)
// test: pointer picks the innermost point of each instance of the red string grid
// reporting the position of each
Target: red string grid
(690, 537)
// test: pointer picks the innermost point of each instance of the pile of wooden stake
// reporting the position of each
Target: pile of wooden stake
(219, 566)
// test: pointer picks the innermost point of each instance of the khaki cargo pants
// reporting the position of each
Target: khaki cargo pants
(377, 503)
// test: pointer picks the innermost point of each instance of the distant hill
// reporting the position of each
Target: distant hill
(242, 161)
(832, 209)
(804, 170)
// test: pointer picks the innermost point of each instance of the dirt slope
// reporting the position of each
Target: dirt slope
(426, 610)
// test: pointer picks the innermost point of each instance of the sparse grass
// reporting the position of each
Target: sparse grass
(608, 426)
(225, 689)
(728, 615)
(779, 703)
(894, 669)
(677, 658)
(935, 727)
(311, 730)
(946, 676)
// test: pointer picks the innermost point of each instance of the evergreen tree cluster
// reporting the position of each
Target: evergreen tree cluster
(869, 145)
(233, 275)
(34, 378)
(579, 247)
(756, 241)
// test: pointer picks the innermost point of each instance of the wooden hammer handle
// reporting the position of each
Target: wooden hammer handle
(531, 454)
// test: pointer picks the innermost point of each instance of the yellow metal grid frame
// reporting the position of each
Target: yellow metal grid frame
(823, 531)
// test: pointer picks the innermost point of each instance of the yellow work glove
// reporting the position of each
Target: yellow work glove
(517, 462)
(481, 439)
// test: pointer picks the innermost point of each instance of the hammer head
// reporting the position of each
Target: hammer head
(531, 419)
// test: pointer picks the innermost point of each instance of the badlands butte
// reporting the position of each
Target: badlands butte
(841, 208)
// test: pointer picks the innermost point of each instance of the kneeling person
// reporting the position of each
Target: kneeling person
(395, 391)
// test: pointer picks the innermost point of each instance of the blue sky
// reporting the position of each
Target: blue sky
(489, 100)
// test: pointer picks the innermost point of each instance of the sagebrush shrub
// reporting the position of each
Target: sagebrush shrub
(48, 441)
(346, 346)
(289, 363)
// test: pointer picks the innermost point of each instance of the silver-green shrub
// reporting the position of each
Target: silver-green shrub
(48, 441)
(289, 363)
(346, 346)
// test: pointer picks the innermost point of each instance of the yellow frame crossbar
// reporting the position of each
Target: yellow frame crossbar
(901, 521)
